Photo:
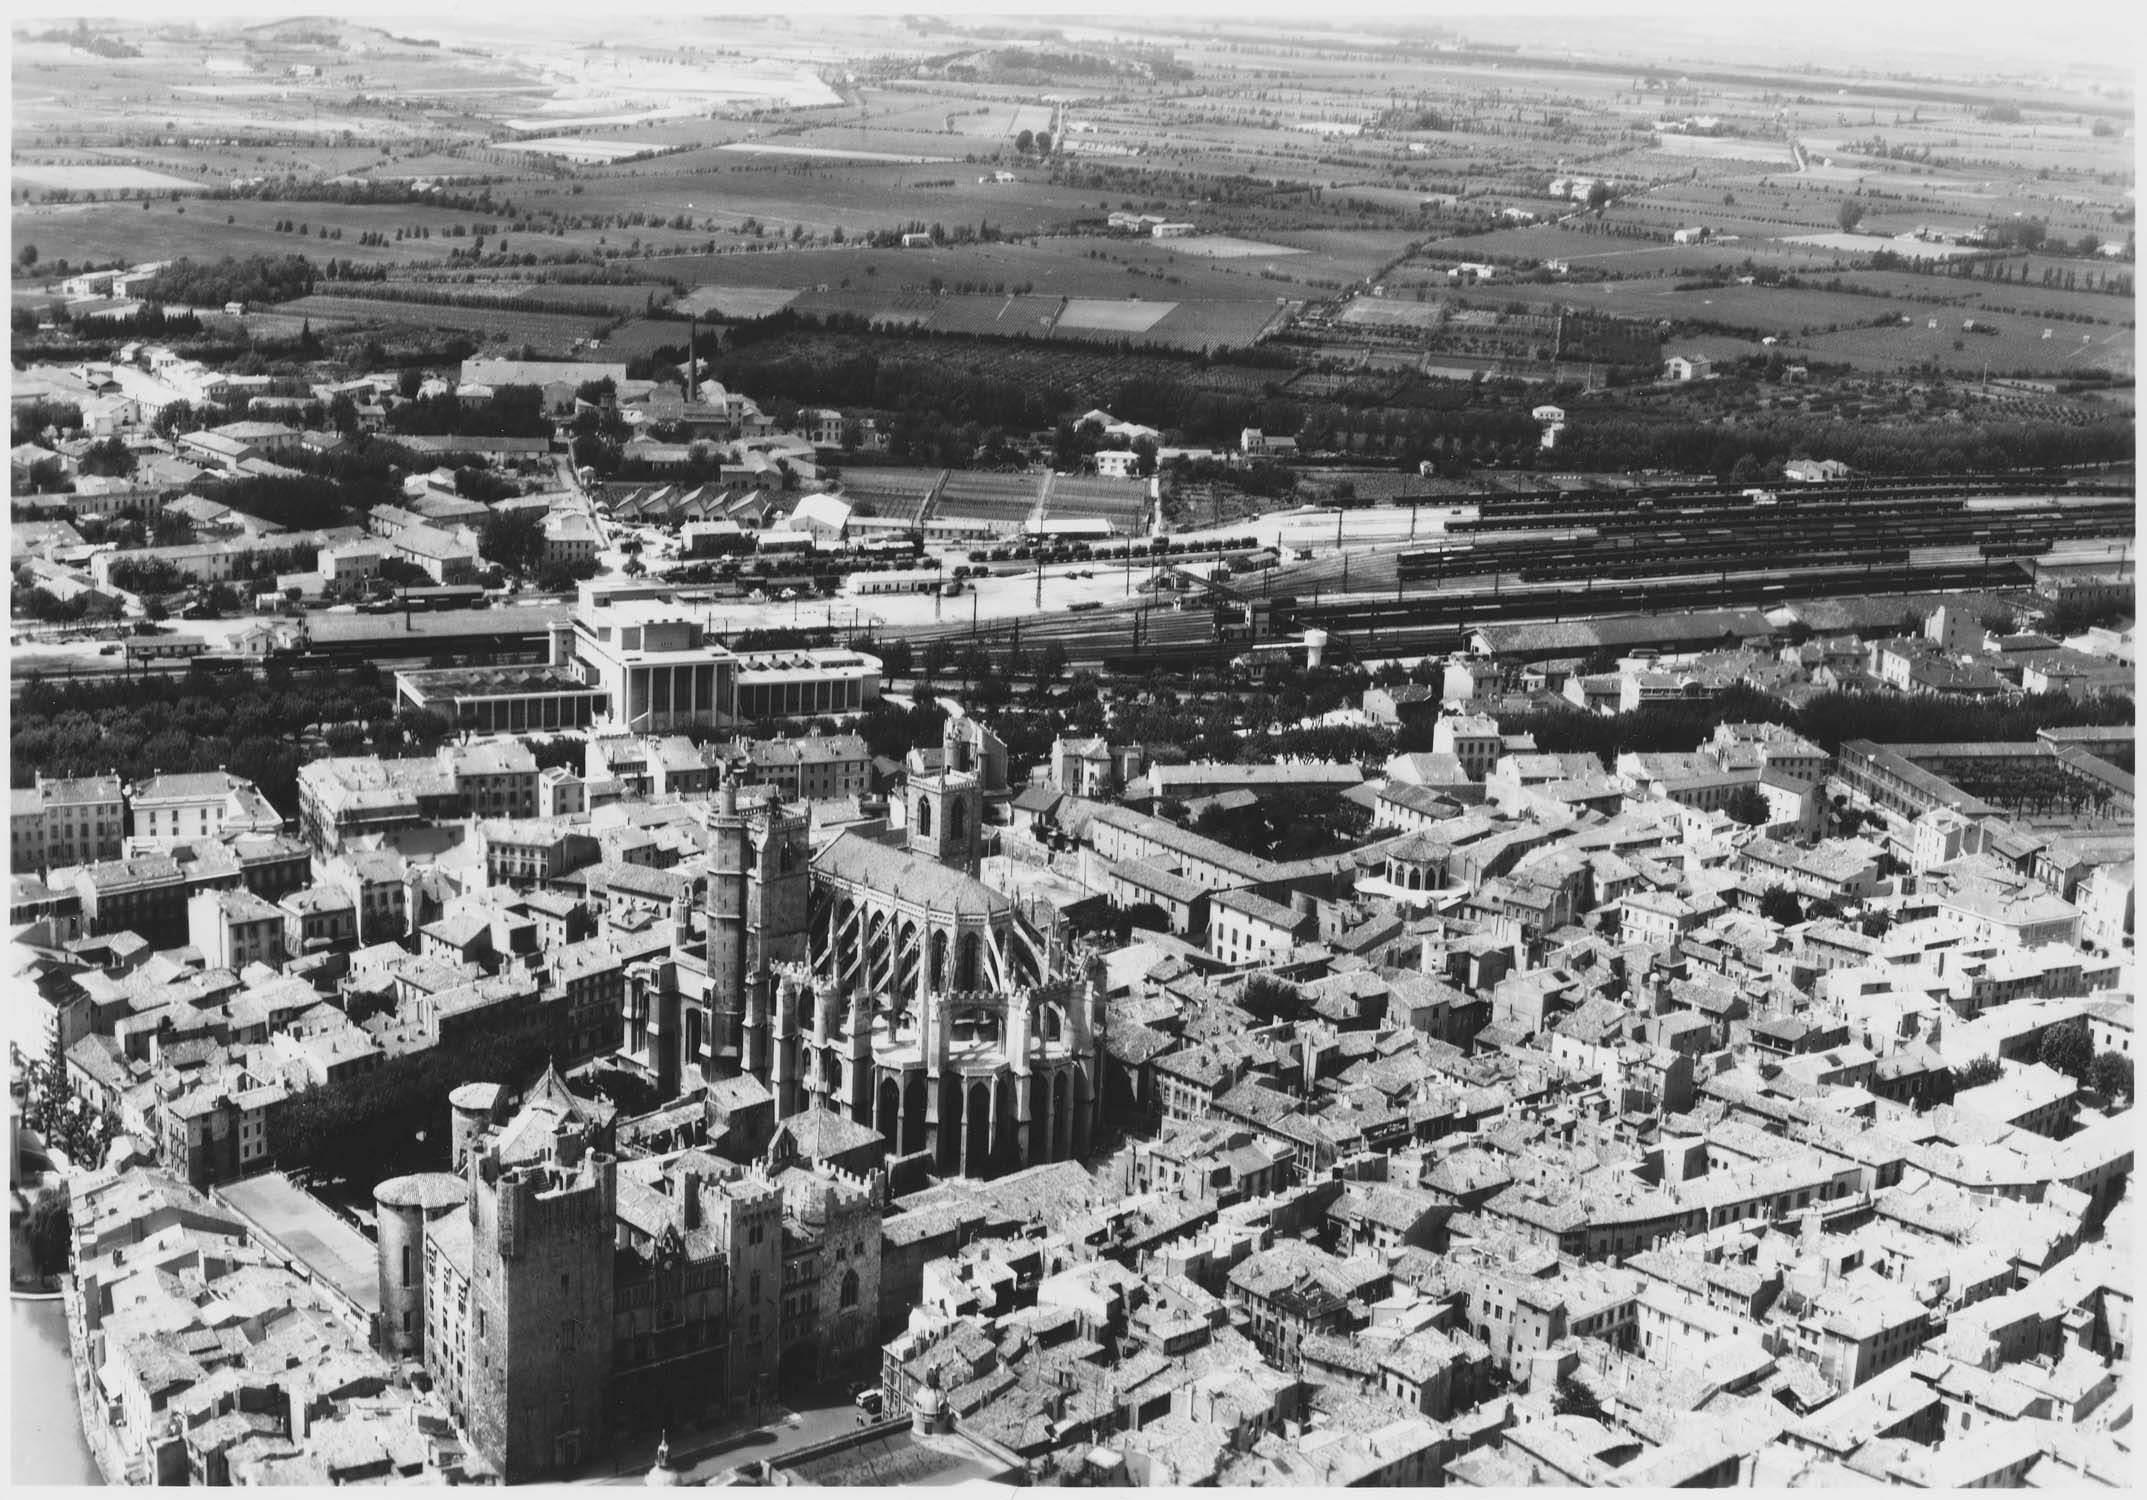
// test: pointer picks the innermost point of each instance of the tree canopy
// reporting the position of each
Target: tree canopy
(2069, 1048)
(253, 279)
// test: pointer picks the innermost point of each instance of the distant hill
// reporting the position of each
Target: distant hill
(327, 32)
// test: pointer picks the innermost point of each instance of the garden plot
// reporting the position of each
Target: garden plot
(1114, 317)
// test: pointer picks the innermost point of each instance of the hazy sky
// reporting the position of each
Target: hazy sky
(1966, 39)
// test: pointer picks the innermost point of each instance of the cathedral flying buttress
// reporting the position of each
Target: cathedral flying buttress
(881, 981)
(979, 1053)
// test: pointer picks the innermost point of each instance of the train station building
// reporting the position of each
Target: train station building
(646, 665)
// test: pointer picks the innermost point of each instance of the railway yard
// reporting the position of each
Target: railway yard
(1552, 555)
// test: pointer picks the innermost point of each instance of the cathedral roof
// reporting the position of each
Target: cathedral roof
(913, 877)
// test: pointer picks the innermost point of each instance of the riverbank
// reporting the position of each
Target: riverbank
(46, 1401)
(23, 1277)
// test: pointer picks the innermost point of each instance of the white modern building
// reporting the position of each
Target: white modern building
(648, 665)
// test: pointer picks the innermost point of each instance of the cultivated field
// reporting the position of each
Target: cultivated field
(1726, 148)
(736, 301)
(1113, 317)
(1225, 247)
(87, 178)
(734, 171)
(580, 149)
(548, 333)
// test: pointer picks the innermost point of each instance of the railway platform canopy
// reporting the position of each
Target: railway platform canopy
(1692, 630)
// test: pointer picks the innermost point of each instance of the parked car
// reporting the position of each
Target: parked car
(872, 1402)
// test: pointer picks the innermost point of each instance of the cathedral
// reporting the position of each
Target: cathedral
(879, 979)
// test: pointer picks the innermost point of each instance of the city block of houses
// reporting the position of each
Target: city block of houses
(1733, 1114)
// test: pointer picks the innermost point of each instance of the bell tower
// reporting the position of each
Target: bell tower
(758, 858)
(946, 809)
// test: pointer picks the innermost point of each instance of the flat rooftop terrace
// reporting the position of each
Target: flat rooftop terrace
(309, 1232)
(455, 682)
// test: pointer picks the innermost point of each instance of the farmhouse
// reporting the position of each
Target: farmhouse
(1686, 367)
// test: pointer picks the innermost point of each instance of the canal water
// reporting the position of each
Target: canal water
(46, 1422)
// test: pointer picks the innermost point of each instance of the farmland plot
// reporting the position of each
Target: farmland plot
(1382, 312)
(580, 149)
(995, 315)
(1114, 317)
(106, 232)
(103, 179)
(1726, 148)
(1065, 266)
(838, 153)
(546, 331)
(736, 301)
(579, 298)
(1865, 244)
(1203, 324)
(643, 336)
(1226, 247)
(2017, 346)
